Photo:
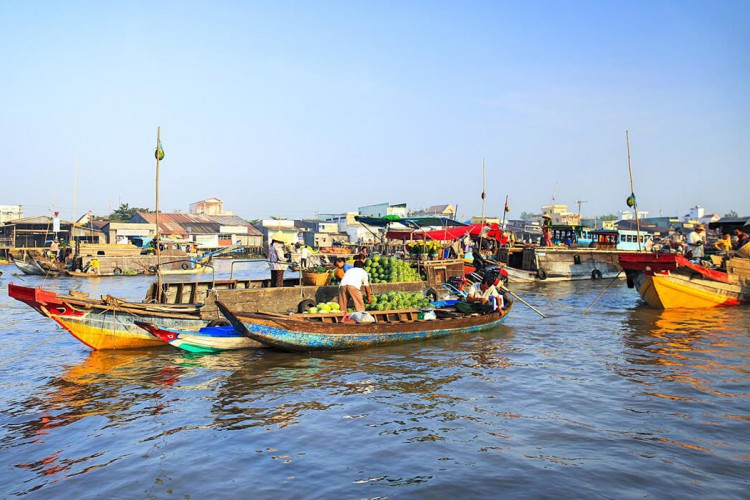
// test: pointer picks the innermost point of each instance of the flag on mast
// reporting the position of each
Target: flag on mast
(159, 153)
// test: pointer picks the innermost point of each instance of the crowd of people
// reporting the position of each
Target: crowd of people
(695, 243)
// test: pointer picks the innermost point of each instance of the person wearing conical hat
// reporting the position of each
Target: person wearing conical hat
(277, 259)
(696, 240)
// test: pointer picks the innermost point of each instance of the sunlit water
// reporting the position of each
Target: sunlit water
(625, 402)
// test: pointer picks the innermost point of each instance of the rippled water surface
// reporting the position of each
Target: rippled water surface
(625, 402)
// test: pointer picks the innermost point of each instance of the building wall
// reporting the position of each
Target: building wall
(10, 212)
(207, 207)
(379, 210)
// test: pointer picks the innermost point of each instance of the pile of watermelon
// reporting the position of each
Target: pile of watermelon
(397, 300)
(390, 270)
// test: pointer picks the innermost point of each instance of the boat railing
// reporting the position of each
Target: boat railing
(242, 261)
(156, 268)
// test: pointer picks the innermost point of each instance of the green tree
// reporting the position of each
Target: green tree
(125, 212)
(608, 217)
(527, 216)
(732, 214)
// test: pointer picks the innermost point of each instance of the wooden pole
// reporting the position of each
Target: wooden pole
(632, 191)
(504, 212)
(484, 195)
(156, 240)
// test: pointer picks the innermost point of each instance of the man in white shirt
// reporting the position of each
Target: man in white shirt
(485, 296)
(304, 254)
(354, 279)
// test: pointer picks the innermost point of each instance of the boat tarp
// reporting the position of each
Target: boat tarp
(492, 231)
(413, 222)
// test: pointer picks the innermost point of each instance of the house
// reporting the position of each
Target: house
(283, 228)
(37, 232)
(207, 231)
(560, 216)
(10, 212)
(383, 209)
(211, 206)
(128, 232)
(318, 233)
(348, 224)
(448, 211)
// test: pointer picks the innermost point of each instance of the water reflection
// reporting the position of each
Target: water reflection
(90, 388)
(697, 350)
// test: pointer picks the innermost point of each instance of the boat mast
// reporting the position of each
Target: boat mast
(73, 227)
(481, 233)
(157, 154)
(505, 210)
(632, 193)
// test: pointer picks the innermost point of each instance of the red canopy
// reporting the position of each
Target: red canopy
(448, 234)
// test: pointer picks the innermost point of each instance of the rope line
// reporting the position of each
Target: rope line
(31, 349)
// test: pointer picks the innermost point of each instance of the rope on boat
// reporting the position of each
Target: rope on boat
(603, 292)
(31, 349)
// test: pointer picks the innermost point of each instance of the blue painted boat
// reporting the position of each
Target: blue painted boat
(207, 339)
(330, 332)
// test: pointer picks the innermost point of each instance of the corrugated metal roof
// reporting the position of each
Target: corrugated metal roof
(180, 223)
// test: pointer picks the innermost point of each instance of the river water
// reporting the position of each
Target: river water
(624, 402)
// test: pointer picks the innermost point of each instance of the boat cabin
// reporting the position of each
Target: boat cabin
(604, 239)
(566, 235)
(628, 240)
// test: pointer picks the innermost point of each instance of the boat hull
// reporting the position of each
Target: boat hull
(107, 325)
(117, 330)
(309, 336)
(669, 281)
(209, 339)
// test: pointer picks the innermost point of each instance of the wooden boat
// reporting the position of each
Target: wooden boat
(208, 339)
(328, 332)
(668, 281)
(108, 323)
(29, 266)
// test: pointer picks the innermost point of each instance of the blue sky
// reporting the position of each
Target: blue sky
(296, 108)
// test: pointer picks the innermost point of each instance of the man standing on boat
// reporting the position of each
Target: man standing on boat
(696, 240)
(277, 260)
(354, 279)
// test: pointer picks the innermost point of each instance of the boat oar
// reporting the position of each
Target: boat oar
(600, 295)
(523, 301)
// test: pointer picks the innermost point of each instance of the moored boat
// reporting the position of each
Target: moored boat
(329, 332)
(669, 281)
(29, 266)
(107, 323)
(207, 339)
(187, 306)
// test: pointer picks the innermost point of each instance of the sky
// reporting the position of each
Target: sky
(298, 108)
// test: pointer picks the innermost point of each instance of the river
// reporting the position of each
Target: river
(624, 402)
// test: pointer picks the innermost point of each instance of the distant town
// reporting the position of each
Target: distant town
(208, 225)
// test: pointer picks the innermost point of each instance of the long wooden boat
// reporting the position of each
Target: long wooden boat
(108, 323)
(207, 339)
(328, 332)
(669, 281)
